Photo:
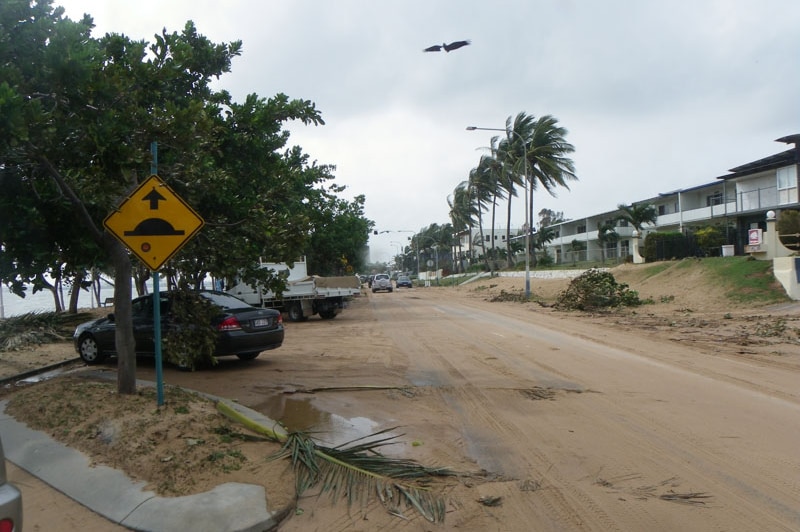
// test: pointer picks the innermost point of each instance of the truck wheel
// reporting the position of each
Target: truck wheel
(327, 314)
(295, 312)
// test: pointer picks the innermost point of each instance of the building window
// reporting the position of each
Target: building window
(622, 223)
(787, 185)
(580, 229)
(714, 199)
(662, 210)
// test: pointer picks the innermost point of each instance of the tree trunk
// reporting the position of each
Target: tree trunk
(494, 247)
(124, 341)
(75, 293)
(483, 242)
(530, 221)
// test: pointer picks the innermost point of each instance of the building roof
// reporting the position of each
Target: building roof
(779, 160)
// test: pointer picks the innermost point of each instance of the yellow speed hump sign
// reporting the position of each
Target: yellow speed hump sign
(154, 222)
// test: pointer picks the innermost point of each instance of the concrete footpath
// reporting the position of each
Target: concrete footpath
(112, 494)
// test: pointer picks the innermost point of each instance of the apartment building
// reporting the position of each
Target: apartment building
(737, 201)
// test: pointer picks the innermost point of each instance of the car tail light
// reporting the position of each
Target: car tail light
(229, 324)
(6, 525)
(280, 319)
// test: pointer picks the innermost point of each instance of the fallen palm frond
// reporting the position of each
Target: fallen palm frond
(37, 328)
(686, 498)
(355, 470)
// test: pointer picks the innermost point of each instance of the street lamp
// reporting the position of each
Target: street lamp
(415, 240)
(436, 250)
(399, 255)
(527, 214)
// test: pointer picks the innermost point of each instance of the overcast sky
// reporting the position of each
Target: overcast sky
(656, 96)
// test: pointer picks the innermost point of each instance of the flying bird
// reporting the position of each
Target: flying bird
(447, 47)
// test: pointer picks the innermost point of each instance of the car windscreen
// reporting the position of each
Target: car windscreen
(224, 301)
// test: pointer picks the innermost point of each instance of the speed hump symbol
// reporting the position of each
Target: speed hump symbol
(154, 222)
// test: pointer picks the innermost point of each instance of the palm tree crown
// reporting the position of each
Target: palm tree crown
(638, 215)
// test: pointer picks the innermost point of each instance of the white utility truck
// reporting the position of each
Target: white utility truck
(305, 295)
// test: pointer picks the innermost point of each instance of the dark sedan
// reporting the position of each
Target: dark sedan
(242, 330)
(403, 281)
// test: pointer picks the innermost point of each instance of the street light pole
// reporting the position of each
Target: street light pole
(527, 213)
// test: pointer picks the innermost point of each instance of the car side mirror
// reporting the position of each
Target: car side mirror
(110, 317)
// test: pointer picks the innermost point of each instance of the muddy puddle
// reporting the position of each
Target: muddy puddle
(300, 414)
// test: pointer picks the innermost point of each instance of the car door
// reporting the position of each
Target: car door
(143, 325)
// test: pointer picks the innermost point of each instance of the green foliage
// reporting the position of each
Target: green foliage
(78, 116)
(544, 260)
(596, 289)
(191, 339)
(577, 245)
(672, 245)
(341, 232)
(548, 217)
(710, 240)
(788, 227)
(638, 214)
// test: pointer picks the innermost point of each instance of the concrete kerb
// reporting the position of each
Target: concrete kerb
(115, 496)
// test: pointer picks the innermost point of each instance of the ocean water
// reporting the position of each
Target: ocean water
(42, 301)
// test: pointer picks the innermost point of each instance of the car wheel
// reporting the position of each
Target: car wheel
(390, 290)
(373, 290)
(295, 312)
(247, 356)
(327, 314)
(89, 350)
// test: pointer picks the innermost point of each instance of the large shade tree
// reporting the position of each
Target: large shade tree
(77, 119)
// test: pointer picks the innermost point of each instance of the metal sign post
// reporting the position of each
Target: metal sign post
(154, 223)
(157, 303)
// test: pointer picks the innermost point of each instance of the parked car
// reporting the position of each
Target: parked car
(242, 330)
(10, 499)
(403, 280)
(381, 282)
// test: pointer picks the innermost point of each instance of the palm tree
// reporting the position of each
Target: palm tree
(481, 193)
(493, 167)
(542, 143)
(488, 174)
(508, 181)
(462, 210)
(638, 215)
(606, 234)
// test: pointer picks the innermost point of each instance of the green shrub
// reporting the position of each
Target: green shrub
(665, 246)
(595, 289)
(545, 259)
(710, 239)
(191, 340)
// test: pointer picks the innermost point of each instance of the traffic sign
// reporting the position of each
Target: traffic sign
(154, 222)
